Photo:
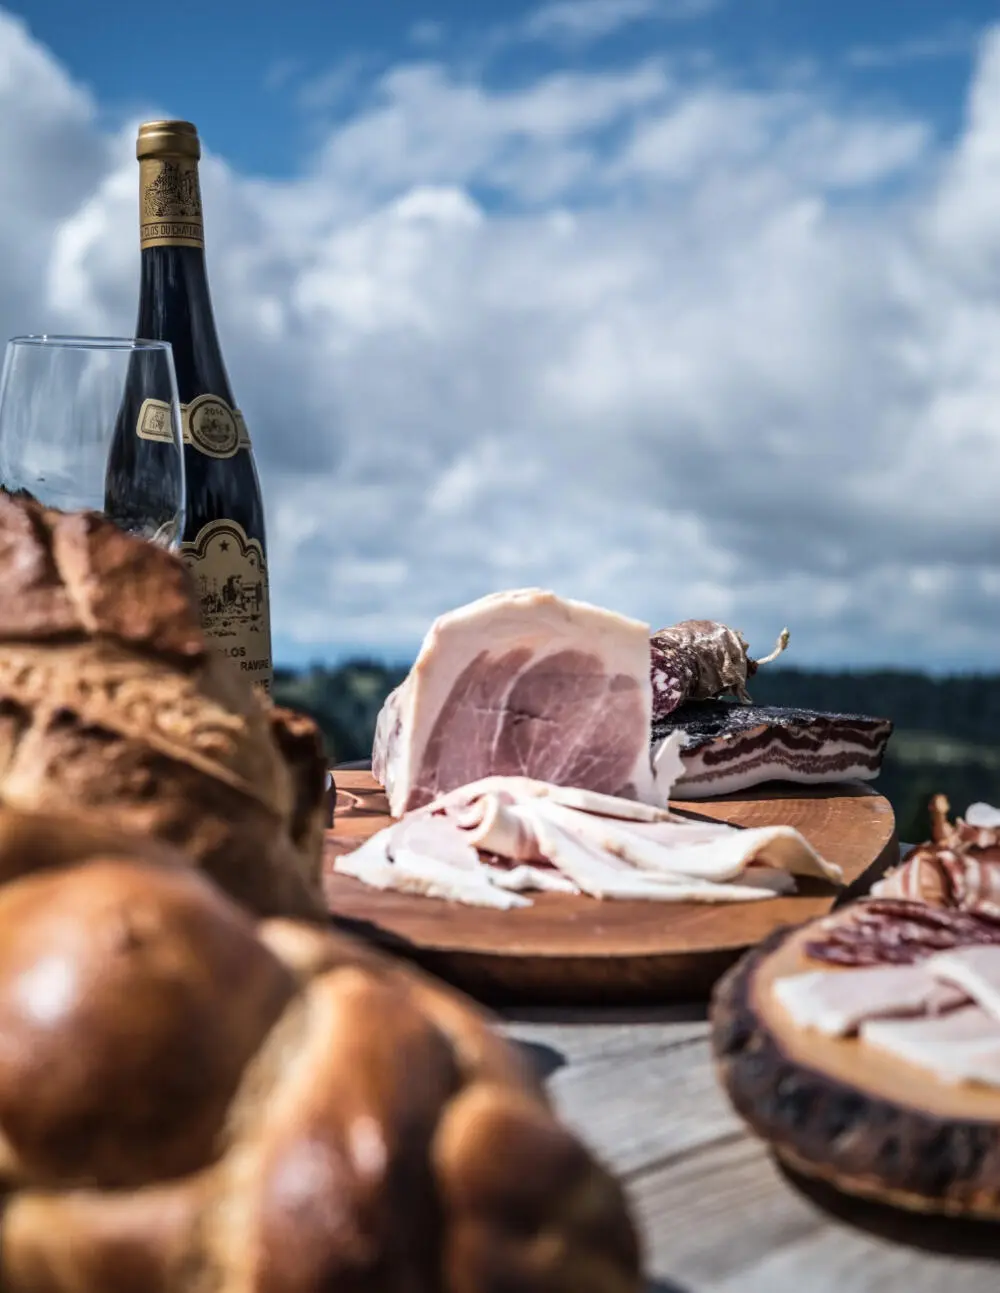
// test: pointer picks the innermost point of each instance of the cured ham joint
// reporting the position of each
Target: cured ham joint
(525, 683)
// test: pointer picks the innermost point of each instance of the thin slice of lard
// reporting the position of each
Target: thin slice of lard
(975, 970)
(960, 1047)
(835, 1004)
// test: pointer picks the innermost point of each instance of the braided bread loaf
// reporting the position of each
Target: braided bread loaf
(193, 1102)
(111, 700)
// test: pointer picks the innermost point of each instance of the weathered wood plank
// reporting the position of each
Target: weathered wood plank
(718, 1215)
(583, 1035)
(726, 1220)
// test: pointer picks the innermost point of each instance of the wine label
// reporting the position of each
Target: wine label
(208, 423)
(170, 203)
(230, 576)
(211, 426)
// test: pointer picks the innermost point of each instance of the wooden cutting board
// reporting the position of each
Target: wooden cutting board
(567, 948)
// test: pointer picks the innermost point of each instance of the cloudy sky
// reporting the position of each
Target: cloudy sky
(687, 307)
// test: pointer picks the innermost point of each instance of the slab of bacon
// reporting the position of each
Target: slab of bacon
(727, 747)
(959, 867)
(941, 1014)
(488, 843)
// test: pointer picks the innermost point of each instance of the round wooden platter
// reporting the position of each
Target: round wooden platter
(566, 948)
(851, 1116)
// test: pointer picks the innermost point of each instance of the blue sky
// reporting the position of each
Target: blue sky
(263, 80)
(690, 308)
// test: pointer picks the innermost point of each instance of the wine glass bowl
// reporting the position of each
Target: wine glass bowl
(94, 423)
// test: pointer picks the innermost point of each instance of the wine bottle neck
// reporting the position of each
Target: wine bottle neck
(175, 305)
(174, 300)
(170, 213)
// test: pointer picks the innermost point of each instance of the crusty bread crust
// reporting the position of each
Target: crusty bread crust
(112, 701)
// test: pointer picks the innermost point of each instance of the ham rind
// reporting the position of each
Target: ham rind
(837, 1004)
(729, 747)
(960, 1047)
(525, 683)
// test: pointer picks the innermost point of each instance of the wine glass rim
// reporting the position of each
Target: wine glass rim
(69, 342)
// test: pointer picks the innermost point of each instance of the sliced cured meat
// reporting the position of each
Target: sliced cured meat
(525, 683)
(518, 834)
(521, 879)
(894, 931)
(518, 789)
(944, 878)
(836, 1004)
(963, 1046)
(728, 747)
(700, 659)
(697, 851)
(974, 970)
(959, 866)
(407, 871)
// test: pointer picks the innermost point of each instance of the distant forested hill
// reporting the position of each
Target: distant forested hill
(947, 735)
(946, 739)
(345, 702)
(965, 707)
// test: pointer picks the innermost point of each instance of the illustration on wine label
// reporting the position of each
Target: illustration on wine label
(208, 423)
(230, 577)
(171, 203)
(173, 193)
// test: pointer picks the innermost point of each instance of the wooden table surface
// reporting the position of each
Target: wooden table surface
(717, 1214)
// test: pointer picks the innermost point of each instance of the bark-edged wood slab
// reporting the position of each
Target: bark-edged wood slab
(566, 948)
(850, 1115)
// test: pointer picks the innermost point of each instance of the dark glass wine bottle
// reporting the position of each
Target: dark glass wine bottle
(224, 542)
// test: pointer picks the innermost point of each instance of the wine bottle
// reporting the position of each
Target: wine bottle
(224, 543)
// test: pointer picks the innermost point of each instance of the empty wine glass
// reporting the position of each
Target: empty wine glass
(94, 423)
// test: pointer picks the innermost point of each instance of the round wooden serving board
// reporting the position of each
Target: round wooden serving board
(850, 1115)
(568, 948)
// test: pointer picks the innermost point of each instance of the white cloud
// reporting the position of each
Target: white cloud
(331, 87)
(582, 21)
(427, 32)
(657, 340)
(955, 41)
(280, 72)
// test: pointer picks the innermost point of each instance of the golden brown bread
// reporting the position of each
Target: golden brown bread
(111, 700)
(191, 1102)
